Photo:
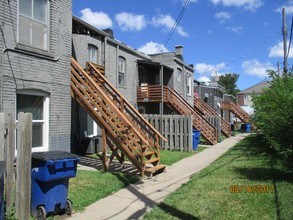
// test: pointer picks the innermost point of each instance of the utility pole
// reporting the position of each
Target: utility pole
(285, 41)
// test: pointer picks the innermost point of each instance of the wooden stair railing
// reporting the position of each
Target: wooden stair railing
(157, 93)
(124, 128)
(204, 109)
(236, 110)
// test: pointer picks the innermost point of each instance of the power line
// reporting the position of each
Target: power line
(242, 57)
(186, 3)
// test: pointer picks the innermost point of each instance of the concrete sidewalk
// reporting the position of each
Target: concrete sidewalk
(133, 201)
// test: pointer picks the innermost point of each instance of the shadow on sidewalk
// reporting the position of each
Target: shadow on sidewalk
(96, 163)
(149, 203)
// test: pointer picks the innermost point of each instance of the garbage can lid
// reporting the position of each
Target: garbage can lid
(53, 155)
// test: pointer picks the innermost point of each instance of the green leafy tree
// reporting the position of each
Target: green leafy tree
(228, 81)
(274, 114)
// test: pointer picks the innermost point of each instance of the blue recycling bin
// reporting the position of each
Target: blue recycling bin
(247, 128)
(49, 184)
(195, 139)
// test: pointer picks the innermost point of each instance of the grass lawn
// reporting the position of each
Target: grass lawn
(248, 182)
(90, 186)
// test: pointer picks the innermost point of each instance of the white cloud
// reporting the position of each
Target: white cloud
(203, 68)
(255, 68)
(251, 5)
(168, 22)
(130, 22)
(288, 8)
(98, 19)
(278, 51)
(152, 48)
(204, 79)
(222, 16)
(236, 29)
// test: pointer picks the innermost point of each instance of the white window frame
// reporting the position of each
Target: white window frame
(95, 128)
(45, 121)
(122, 71)
(188, 84)
(93, 54)
(32, 20)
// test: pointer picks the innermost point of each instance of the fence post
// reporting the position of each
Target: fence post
(10, 151)
(190, 133)
(23, 180)
(2, 163)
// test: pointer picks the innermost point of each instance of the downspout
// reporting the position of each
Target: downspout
(117, 64)
(105, 46)
(162, 102)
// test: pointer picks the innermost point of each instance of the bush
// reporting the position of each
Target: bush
(274, 115)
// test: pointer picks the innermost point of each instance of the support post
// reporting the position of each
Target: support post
(23, 181)
(104, 149)
(10, 119)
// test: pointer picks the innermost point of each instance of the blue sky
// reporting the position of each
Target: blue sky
(218, 36)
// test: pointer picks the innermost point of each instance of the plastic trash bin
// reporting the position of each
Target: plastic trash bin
(247, 128)
(50, 176)
(195, 139)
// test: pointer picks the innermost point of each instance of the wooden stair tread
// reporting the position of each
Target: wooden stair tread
(152, 160)
(155, 168)
(148, 153)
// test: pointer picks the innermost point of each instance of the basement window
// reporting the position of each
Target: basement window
(37, 104)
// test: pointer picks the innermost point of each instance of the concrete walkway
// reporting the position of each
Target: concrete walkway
(133, 201)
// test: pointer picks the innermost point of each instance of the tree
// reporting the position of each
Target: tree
(228, 81)
(274, 115)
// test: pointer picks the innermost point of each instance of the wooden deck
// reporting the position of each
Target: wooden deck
(157, 93)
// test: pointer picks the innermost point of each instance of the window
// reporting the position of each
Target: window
(93, 54)
(188, 84)
(121, 71)
(33, 23)
(179, 75)
(141, 74)
(92, 127)
(38, 105)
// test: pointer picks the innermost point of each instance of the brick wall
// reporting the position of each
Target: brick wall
(46, 71)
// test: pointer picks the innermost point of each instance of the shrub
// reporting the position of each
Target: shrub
(274, 115)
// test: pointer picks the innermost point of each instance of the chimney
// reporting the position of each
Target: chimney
(110, 32)
(178, 52)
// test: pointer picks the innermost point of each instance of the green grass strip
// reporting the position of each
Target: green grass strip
(248, 182)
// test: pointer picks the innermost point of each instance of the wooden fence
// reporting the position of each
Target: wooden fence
(216, 122)
(177, 129)
(20, 195)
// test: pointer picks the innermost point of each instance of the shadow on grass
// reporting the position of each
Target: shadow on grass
(256, 146)
(264, 174)
(175, 212)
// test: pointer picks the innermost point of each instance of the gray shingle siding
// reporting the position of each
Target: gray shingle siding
(49, 74)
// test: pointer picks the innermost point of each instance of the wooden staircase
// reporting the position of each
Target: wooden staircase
(157, 93)
(204, 109)
(236, 110)
(124, 130)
